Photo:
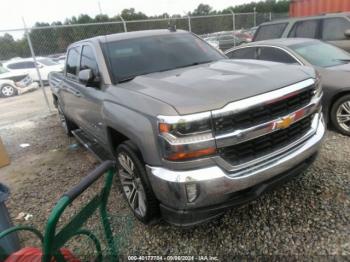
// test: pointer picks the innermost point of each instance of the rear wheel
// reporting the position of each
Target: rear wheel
(133, 181)
(340, 115)
(7, 91)
(67, 125)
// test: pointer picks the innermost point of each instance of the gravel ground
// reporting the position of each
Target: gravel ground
(307, 217)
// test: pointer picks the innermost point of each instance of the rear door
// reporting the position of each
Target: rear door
(274, 54)
(333, 31)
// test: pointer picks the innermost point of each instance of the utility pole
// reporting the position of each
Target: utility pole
(254, 16)
(99, 7)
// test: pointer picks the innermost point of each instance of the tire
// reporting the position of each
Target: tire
(134, 183)
(8, 91)
(340, 115)
(67, 124)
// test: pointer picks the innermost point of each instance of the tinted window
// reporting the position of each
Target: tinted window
(269, 31)
(138, 56)
(88, 60)
(21, 65)
(243, 53)
(307, 29)
(275, 55)
(72, 62)
(321, 54)
(334, 28)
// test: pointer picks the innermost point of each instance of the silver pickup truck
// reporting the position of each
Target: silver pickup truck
(192, 132)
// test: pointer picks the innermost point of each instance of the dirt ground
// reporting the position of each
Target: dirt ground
(307, 218)
(26, 106)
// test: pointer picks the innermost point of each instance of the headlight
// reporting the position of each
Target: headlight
(186, 137)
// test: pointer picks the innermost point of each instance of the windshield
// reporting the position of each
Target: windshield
(3, 70)
(132, 57)
(47, 62)
(321, 54)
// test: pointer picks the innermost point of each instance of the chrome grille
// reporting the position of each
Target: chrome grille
(263, 113)
(255, 148)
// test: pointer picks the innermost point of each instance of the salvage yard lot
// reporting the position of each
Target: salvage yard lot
(309, 216)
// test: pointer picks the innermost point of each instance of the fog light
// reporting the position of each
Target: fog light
(192, 192)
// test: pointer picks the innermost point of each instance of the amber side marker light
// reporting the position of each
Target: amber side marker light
(194, 154)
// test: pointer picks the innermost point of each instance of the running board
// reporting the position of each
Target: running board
(99, 152)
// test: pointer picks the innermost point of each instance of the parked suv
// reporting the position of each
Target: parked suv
(333, 28)
(192, 132)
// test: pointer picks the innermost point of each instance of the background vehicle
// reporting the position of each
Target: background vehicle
(191, 130)
(27, 66)
(331, 62)
(225, 40)
(332, 28)
(12, 83)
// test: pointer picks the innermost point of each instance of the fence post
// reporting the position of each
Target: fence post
(124, 24)
(36, 64)
(270, 16)
(234, 27)
(254, 16)
(189, 23)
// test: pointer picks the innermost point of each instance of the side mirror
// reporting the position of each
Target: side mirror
(86, 76)
(347, 33)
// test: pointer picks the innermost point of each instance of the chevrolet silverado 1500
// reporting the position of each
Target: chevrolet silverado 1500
(192, 132)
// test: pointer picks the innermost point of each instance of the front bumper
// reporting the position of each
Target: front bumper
(216, 186)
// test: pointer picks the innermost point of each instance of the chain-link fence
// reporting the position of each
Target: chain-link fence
(52, 41)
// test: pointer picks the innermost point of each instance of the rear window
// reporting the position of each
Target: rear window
(269, 31)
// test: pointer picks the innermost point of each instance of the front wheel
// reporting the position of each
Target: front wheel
(7, 91)
(133, 181)
(340, 115)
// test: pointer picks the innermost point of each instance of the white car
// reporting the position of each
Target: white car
(15, 83)
(27, 66)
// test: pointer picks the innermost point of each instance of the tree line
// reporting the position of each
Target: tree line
(47, 41)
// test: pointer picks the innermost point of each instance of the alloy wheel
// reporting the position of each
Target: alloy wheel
(7, 91)
(343, 115)
(131, 184)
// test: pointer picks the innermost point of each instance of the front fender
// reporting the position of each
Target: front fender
(135, 125)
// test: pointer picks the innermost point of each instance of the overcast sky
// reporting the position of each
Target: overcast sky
(58, 10)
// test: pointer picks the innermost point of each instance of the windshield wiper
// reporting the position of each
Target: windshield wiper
(343, 60)
(194, 64)
(126, 79)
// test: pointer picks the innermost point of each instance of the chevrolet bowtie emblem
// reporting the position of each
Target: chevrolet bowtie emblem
(284, 122)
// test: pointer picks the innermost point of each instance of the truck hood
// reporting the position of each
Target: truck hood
(211, 86)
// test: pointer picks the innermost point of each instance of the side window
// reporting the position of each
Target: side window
(72, 62)
(269, 31)
(22, 65)
(275, 55)
(307, 29)
(334, 29)
(243, 53)
(88, 60)
(14, 66)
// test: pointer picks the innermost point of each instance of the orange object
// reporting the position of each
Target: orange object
(164, 128)
(34, 254)
(299, 8)
(193, 154)
(4, 158)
